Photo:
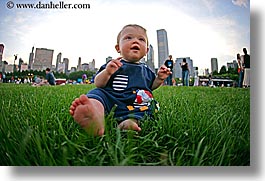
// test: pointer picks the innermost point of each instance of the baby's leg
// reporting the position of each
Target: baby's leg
(89, 113)
(129, 124)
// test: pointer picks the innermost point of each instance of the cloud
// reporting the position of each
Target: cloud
(240, 3)
(209, 4)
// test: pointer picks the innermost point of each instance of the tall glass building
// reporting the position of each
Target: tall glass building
(214, 64)
(1, 55)
(150, 58)
(162, 44)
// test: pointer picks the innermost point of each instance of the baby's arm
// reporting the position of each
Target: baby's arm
(103, 77)
(162, 74)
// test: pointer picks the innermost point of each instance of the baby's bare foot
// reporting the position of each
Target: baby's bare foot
(89, 113)
(129, 124)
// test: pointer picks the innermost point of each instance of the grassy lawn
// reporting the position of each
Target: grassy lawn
(196, 126)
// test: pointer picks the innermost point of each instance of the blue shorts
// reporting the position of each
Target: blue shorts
(123, 108)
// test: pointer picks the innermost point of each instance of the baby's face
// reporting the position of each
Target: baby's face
(132, 44)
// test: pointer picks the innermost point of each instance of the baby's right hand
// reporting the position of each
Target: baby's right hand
(114, 65)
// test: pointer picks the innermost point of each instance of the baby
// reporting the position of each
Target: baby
(123, 83)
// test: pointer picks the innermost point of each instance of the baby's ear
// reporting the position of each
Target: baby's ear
(117, 47)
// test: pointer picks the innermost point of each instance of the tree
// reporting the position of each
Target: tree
(215, 72)
(232, 70)
(78, 74)
(223, 70)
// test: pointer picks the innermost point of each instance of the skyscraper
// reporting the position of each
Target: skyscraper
(1, 55)
(162, 44)
(79, 67)
(92, 65)
(109, 58)
(58, 61)
(31, 56)
(66, 64)
(150, 58)
(214, 64)
(43, 59)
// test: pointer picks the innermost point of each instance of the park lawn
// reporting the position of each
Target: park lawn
(195, 126)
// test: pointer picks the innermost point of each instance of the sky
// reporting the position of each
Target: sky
(199, 29)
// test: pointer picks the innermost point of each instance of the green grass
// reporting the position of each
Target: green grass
(196, 126)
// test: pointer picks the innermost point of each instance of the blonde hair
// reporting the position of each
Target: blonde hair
(134, 26)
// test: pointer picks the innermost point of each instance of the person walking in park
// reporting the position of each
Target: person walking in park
(169, 64)
(240, 60)
(185, 72)
(246, 81)
(196, 77)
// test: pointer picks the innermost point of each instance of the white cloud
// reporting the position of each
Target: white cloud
(240, 3)
(209, 4)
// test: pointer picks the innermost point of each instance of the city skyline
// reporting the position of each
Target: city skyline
(201, 30)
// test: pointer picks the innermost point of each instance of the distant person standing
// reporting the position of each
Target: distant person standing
(169, 64)
(84, 78)
(50, 77)
(4, 78)
(246, 81)
(185, 72)
(196, 77)
(240, 60)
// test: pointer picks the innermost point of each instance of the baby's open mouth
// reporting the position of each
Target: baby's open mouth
(135, 48)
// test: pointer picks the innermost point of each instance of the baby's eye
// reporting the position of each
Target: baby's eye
(128, 37)
(142, 39)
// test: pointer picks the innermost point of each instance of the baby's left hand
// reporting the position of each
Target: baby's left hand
(163, 72)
